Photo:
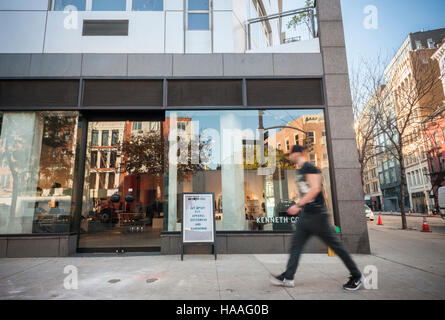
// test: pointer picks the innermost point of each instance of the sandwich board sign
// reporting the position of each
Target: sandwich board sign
(198, 219)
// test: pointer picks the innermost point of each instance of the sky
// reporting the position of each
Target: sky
(395, 20)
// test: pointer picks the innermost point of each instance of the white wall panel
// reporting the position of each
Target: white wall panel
(173, 4)
(174, 34)
(23, 4)
(223, 31)
(146, 34)
(198, 42)
(22, 32)
(223, 4)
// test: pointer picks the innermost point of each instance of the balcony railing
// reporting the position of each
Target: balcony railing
(281, 28)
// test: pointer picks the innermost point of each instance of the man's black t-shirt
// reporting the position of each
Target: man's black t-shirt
(308, 168)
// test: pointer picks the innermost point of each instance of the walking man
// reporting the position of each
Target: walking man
(313, 220)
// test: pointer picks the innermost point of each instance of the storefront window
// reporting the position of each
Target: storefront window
(37, 161)
(236, 155)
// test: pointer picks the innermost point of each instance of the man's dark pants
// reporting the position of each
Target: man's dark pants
(315, 222)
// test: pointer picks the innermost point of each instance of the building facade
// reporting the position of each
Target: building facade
(111, 110)
(434, 133)
(411, 90)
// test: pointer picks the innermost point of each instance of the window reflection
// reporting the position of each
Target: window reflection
(124, 198)
(242, 157)
(37, 154)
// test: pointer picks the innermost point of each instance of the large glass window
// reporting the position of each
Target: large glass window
(148, 5)
(60, 5)
(236, 155)
(38, 161)
(198, 4)
(109, 5)
(198, 15)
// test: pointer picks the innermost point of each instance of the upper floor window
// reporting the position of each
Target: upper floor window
(95, 138)
(198, 5)
(136, 126)
(109, 5)
(148, 5)
(198, 17)
(430, 44)
(105, 137)
(60, 5)
(115, 137)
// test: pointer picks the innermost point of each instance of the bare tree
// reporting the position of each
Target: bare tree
(367, 83)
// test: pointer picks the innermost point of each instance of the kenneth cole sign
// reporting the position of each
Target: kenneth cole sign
(277, 219)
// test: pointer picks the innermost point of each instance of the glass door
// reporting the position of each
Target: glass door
(123, 198)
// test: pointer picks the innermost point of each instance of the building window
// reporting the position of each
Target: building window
(92, 180)
(323, 138)
(113, 157)
(430, 44)
(313, 158)
(60, 5)
(311, 137)
(43, 165)
(105, 137)
(104, 159)
(102, 177)
(95, 138)
(181, 125)
(198, 15)
(148, 5)
(93, 159)
(418, 44)
(368, 189)
(250, 194)
(287, 145)
(115, 137)
(296, 139)
(111, 177)
(109, 5)
(135, 126)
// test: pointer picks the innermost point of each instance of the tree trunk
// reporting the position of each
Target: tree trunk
(402, 194)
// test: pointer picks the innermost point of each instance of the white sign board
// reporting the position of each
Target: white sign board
(198, 223)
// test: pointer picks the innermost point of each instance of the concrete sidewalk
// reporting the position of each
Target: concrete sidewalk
(411, 265)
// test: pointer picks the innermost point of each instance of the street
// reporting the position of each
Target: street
(410, 265)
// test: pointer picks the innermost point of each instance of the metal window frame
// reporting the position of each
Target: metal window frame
(209, 12)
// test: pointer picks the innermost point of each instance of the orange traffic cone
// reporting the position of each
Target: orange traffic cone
(410, 212)
(425, 227)
(432, 215)
(379, 223)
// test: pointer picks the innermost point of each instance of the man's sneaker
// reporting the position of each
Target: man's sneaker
(353, 283)
(281, 281)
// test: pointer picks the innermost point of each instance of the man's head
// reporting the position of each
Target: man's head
(297, 154)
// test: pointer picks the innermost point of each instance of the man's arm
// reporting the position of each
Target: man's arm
(314, 182)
